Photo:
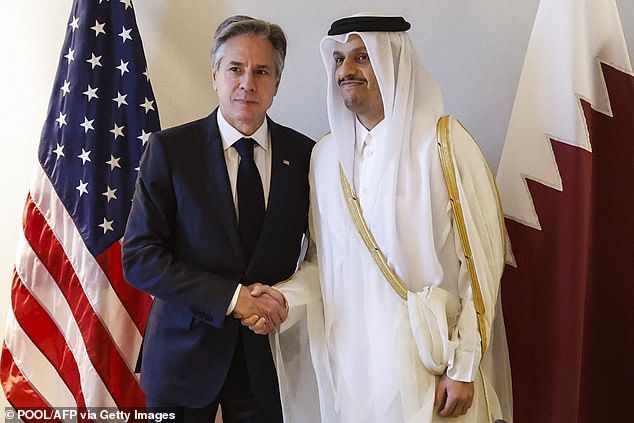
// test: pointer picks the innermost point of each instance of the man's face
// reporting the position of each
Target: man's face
(246, 81)
(356, 81)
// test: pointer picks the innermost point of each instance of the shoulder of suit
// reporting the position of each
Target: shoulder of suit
(179, 136)
(194, 125)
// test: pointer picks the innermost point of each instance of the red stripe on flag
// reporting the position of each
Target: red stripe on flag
(103, 354)
(45, 334)
(136, 302)
(18, 390)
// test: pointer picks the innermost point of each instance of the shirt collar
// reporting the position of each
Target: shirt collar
(230, 135)
(362, 134)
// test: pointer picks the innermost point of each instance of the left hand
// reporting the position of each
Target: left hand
(453, 398)
(257, 325)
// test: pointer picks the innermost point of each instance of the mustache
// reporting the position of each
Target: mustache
(349, 78)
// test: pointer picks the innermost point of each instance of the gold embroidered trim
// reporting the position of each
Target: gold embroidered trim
(368, 239)
(449, 172)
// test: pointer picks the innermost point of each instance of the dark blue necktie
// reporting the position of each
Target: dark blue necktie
(250, 197)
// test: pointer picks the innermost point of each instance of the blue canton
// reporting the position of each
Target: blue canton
(101, 113)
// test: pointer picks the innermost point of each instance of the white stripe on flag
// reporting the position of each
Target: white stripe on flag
(96, 285)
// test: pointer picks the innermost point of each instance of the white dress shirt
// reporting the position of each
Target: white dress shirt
(261, 155)
(365, 154)
(262, 158)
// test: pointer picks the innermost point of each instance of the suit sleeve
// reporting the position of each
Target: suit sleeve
(149, 258)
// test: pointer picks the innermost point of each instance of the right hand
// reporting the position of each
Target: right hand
(262, 306)
(453, 398)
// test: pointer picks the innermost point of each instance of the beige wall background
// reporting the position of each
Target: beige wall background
(475, 48)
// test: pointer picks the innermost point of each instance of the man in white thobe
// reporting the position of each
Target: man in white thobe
(375, 356)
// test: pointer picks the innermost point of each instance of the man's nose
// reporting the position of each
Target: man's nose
(346, 69)
(247, 81)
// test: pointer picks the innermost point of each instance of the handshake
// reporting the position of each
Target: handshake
(261, 308)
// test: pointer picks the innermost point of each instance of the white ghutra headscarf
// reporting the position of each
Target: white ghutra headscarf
(401, 199)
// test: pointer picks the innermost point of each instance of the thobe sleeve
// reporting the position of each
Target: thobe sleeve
(302, 288)
(467, 355)
(292, 345)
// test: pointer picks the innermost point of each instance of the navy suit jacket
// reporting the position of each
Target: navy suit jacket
(182, 246)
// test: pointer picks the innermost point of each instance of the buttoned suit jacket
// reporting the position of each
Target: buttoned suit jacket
(182, 246)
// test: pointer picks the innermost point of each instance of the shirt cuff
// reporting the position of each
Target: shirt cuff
(464, 366)
(234, 300)
(283, 296)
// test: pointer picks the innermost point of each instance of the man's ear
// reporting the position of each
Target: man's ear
(213, 77)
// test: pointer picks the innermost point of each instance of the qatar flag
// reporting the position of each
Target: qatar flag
(567, 186)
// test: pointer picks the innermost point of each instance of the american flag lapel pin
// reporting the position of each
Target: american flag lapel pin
(286, 162)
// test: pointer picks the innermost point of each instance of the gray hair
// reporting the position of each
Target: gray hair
(246, 25)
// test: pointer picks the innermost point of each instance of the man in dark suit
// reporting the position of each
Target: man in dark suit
(220, 204)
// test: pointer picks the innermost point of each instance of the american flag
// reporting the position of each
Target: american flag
(75, 326)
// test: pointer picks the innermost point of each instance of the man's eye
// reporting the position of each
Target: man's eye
(338, 60)
(364, 58)
(234, 69)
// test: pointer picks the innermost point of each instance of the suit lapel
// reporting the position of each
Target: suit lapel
(212, 161)
(277, 151)
(278, 181)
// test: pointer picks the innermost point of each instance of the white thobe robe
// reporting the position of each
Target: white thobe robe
(366, 362)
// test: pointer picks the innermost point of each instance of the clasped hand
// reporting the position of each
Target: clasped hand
(261, 308)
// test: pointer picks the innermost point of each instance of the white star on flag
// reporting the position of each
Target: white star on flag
(110, 194)
(120, 99)
(74, 24)
(117, 131)
(94, 60)
(106, 225)
(98, 28)
(59, 151)
(114, 162)
(125, 34)
(84, 156)
(147, 105)
(91, 93)
(70, 56)
(82, 188)
(144, 137)
(65, 88)
(61, 120)
(123, 67)
(87, 125)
